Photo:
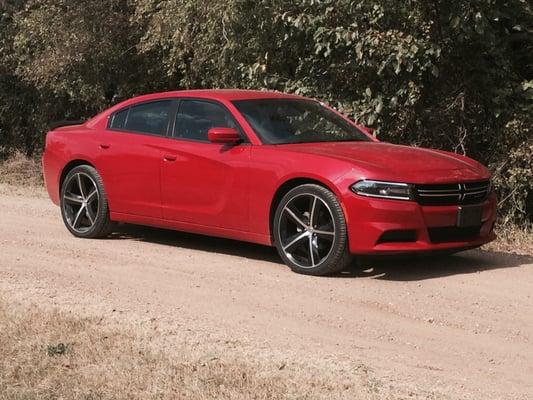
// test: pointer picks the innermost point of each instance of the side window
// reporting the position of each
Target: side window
(151, 118)
(196, 117)
(118, 120)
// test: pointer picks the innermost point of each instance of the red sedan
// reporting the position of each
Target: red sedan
(268, 168)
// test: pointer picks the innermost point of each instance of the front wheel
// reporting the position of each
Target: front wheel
(84, 205)
(310, 231)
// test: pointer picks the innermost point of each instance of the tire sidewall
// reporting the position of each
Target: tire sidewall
(330, 264)
(101, 216)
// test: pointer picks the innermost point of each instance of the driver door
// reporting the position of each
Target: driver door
(205, 183)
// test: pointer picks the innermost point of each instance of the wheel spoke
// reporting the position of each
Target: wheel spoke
(90, 215)
(80, 186)
(294, 217)
(311, 251)
(72, 198)
(90, 196)
(295, 239)
(312, 211)
(324, 233)
(78, 216)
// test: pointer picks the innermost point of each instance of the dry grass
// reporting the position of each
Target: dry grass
(53, 355)
(513, 239)
(21, 170)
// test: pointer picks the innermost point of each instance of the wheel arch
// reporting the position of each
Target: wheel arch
(68, 167)
(290, 184)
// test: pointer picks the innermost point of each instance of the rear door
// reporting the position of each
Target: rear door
(205, 183)
(130, 157)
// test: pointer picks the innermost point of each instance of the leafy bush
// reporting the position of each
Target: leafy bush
(450, 75)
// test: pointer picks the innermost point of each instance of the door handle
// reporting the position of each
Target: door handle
(104, 146)
(170, 158)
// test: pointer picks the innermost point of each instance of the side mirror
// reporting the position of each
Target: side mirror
(223, 135)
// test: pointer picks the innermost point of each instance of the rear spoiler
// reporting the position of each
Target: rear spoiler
(59, 124)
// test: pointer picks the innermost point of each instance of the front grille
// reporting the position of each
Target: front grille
(453, 234)
(452, 193)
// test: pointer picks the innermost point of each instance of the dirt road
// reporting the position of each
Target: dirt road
(461, 326)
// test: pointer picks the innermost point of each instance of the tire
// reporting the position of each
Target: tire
(84, 205)
(325, 237)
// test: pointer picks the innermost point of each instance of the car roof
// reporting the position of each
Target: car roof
(220, 94)
(207, 94)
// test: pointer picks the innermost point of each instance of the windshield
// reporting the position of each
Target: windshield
(281, 121)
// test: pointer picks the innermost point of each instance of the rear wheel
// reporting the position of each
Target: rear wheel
(84, 203)
(310, 231)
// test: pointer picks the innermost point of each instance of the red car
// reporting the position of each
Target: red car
(269, 168)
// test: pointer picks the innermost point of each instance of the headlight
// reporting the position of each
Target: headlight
(385, 190)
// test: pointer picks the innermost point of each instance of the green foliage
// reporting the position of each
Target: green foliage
(514, 176)
(452, 75)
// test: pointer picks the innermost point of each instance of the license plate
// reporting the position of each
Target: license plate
(469, 216)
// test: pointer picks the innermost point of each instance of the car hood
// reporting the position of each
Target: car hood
(378, 160)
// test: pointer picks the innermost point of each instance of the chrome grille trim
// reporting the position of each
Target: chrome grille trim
(477, 192)
(439, 195)
(452, 193)
(439, 191)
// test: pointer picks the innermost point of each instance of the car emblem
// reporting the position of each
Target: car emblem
(462, 192)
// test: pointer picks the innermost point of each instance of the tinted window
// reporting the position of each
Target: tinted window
(279, 121)
(149, 118)
(118, 121)
(196, 117)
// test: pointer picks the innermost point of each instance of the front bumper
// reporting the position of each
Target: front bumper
(381, 226)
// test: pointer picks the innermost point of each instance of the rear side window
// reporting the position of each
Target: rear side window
(151, 118)
(118, 121)
(196, 117)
